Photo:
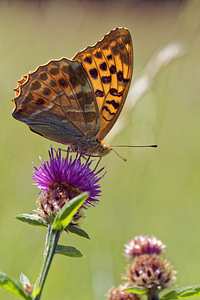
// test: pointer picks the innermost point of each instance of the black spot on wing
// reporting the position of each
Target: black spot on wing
(103, 66)
(93, 73)
(120, 76)
(88, 59)
(109, 57)
(99, 93)
(112, 69)
(40, 101)
(114, 104)
(43, 76)
(62, 82)
(106, 79)
(35, 85)
(98, 54)
(115, 50)
(114, 92)
(46, 91)
(54, 71)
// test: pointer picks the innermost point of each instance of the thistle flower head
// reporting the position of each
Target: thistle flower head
(119, 294)
(143, 244)
(61, 179)
(151, 272)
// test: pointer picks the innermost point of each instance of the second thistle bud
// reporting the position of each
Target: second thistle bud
(151, 272)
(143, 244)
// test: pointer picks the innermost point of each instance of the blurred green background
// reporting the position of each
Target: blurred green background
(156, 192)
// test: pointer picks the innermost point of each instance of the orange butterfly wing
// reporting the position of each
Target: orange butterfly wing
(109, 65)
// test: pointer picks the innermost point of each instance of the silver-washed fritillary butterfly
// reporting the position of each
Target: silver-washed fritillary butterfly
(77, 102)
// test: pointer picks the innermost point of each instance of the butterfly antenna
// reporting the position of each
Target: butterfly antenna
(124, 159)
(128, 146)
(139, 146)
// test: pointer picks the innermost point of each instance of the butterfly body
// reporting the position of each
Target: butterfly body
(92, 147)
(76, 102)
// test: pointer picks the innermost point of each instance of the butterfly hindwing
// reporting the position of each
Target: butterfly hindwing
(57, 101)
(109, 65)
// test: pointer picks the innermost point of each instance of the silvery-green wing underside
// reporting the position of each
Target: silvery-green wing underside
(57, 101)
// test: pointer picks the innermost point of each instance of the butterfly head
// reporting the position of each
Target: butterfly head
(104, 149)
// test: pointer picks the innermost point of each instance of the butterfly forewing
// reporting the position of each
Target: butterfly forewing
(57, 101)
(109, 65)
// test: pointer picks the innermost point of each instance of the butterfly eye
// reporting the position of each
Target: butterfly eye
(105, 148)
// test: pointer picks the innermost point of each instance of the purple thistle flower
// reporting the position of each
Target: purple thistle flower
(143, 244)
(62, 178)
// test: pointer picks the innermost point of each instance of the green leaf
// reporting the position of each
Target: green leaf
(66, 213)
(78, 231)
(11, 286)
(140, 290)
(183, 293)
(68, 251)
(31, 219)
(24, 280)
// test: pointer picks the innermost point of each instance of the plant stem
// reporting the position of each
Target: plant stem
(52, 238)
(153, 296)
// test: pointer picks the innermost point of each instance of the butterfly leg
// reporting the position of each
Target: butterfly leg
(98, 163)
(84, 156)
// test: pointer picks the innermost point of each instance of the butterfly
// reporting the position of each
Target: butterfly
(76, 102)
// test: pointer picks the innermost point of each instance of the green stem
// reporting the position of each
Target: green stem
(153, 296)
(50, 247)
